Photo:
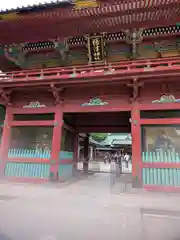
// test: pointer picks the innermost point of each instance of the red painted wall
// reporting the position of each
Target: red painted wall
(24, 97)
(115, 95)
(153, 91)
(74, 96)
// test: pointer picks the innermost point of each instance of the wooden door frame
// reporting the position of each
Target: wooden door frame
(73, 108)
(162, 122)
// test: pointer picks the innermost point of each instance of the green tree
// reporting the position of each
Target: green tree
(99, 136)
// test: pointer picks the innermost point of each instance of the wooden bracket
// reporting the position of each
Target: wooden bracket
(135, 85)
(5, 95)
(57, 93)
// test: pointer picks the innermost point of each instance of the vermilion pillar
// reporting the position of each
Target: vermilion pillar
(56, 141)
(86, 154)
(136, 145)
(6, 139)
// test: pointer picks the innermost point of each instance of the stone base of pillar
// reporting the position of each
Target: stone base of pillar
(136, 183)
(85, 167)
(53, 177)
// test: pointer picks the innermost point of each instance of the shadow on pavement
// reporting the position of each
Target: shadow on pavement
(4, 237)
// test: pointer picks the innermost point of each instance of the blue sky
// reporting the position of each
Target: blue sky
(9, 4)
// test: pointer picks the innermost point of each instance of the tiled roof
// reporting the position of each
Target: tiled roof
(33, 5)
(92, 141)
(121, 142)
(111, 139)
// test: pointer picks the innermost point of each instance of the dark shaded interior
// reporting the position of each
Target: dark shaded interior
(147, 114)
(31, 136)
(34, 117)
(103, 119)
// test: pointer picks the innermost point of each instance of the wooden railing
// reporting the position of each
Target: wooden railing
(120, 68)
(28, 153)
(161, 168)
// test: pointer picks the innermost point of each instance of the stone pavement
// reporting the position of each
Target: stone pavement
(102, 167)
(86, 209)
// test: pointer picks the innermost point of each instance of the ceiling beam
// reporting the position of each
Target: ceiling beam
(102, 129)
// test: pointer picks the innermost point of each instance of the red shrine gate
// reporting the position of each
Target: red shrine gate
(102, 85)
(149, 106)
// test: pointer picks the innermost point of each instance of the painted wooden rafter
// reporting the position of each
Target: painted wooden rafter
(5, 95)
(115, 7)
(57, 93)
(118, 15)
(135, 86)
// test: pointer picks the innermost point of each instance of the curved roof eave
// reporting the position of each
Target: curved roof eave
(32, 7)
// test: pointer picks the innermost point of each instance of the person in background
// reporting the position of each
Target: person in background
(116, 157)
(107, 158)
(111, 157)
(163, 141)
(114, 171)
(126, 159)
(119, 161)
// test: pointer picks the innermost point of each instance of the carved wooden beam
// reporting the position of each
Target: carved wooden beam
(15, 54)
(57, 93)
(134, 37)
(136, 86)
(62, 47)
(5, 95)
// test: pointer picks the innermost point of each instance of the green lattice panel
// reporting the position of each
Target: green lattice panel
(25, 170)
(161, 157)
(161, 176)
